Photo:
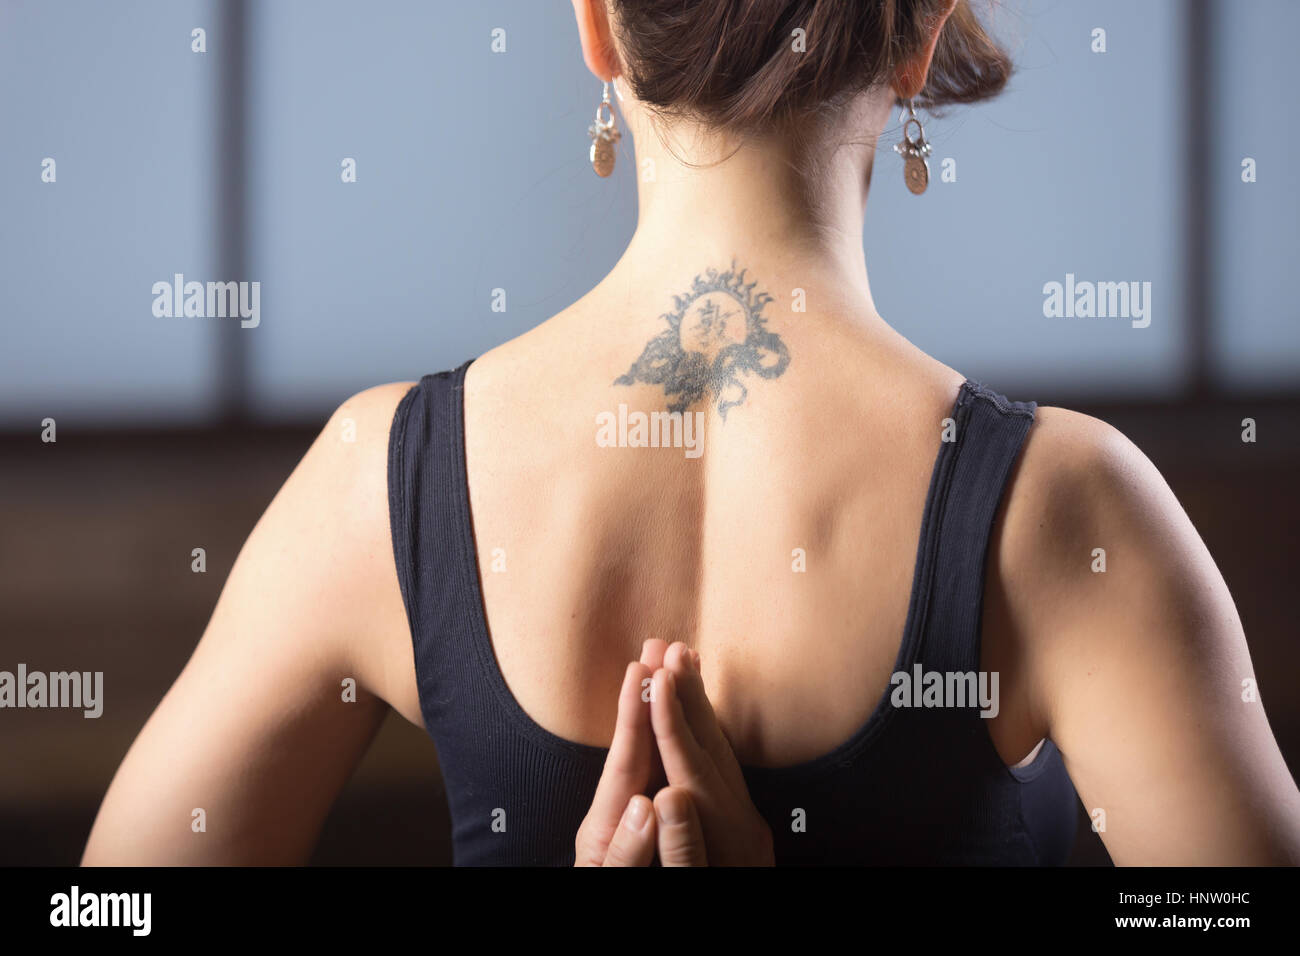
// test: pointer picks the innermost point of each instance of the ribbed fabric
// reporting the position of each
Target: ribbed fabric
(914, 785)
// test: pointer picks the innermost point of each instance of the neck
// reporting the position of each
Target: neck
(798, 200)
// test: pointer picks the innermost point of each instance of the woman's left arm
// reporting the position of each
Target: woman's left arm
(243, 758)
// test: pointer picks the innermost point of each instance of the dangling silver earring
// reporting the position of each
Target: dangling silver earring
(604, 134)
(916, 171)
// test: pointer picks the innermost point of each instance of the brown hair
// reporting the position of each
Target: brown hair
(733, 63)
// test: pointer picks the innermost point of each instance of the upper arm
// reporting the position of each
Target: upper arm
(1140, 672)
(256, 732)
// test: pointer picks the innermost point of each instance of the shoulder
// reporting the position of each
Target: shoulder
(1083, 497)
(319, 566)
(361, 423)
(1088, 514)
(1097, 563)
(346, 465)
(344, 473)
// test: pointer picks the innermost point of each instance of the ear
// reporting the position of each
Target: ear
(597, 38)
(909, 78)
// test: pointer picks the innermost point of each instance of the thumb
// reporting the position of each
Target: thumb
(681, 838)
(633, 843)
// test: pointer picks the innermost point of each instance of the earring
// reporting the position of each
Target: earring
(604, 134)
(916, 171)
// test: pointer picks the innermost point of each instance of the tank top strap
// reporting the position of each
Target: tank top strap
(427, 505)
(975, 462)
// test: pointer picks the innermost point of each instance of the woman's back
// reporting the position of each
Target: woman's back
(791, 537)
(783, 540)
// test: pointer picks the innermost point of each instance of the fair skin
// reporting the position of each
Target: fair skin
(1136, 674)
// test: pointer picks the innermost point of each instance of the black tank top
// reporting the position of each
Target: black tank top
(913, 785)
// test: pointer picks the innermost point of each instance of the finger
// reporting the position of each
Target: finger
(680, 836)
(633, 843)
(684, 663)
(627, 772)
(686, 763)
(652, 656)
(627, 765)
(652, 653)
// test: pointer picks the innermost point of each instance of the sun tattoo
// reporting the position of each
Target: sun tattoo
(716, 336)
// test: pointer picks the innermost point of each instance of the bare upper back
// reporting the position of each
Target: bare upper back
(784, 552)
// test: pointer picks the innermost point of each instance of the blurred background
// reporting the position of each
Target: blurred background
(1117, 154)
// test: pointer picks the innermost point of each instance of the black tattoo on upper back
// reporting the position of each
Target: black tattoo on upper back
(716, 335)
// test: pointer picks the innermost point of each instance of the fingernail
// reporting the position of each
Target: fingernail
(695, 659)
(635, 816)
(670, 812)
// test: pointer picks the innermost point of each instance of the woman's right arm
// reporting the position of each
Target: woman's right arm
(1140, 672)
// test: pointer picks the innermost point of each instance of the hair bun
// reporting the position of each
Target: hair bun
(739, 64)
